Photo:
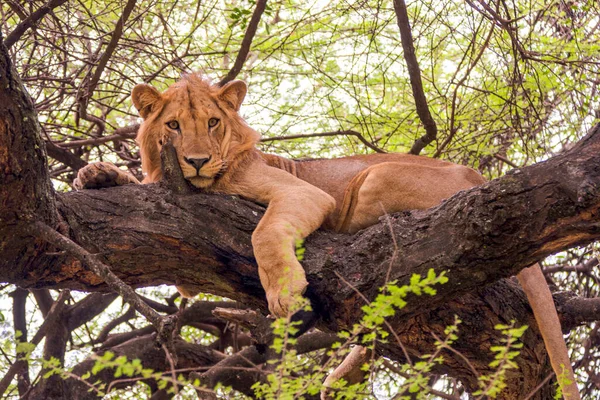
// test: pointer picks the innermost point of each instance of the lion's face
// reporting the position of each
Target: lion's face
(202, 122)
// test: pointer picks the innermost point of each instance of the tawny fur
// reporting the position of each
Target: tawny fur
(345, 194)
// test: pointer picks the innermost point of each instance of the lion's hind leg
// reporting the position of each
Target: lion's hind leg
(394, 186)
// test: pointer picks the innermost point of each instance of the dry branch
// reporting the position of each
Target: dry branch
(90, 82)
(126, 132)
(326, 134)
(415, 78)
(246, 43)
(31, 21)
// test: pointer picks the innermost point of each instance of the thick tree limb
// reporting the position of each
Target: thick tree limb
(149, 235)
(414, 73)
(477, 236)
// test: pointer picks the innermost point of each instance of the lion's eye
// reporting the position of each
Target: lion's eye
(173, 125)
(213, 122)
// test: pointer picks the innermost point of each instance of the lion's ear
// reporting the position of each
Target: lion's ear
(144, 97)
(234, 93)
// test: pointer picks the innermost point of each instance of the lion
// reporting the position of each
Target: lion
(217, 152)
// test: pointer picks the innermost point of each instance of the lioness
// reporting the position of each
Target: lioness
(216, 152)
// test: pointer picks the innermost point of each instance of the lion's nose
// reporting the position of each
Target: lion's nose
(196, 162)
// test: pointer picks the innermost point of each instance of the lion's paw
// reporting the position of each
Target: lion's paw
(100, 175)
(282, 300)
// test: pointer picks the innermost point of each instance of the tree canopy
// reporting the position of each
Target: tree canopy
(495, 85)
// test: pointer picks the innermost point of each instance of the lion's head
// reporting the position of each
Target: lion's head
(203, 123)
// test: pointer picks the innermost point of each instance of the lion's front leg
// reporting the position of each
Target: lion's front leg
(295, 209)
(100, 175)
(281, 275)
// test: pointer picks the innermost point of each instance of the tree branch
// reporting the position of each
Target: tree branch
(65, 156)
(163, 326)
(51, 319)
(30, 21)
(326, 134)
(89, 307)
(89, 84)
(126, 132)
(415, 78)
(23, 161)
(20, 323)
(465, 229)
(246, 43)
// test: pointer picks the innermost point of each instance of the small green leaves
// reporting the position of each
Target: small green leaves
(493, 384)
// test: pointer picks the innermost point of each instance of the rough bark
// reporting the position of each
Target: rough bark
(151, 236)
(25, 189)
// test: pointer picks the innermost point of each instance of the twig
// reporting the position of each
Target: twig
(53, 314)
(539, 386)
(415, 79)
(126, 132)
(387, 324)
(505, 160)
(92, 263)
(246, 43)
(171, 357)
(326, 134)
(392, 367)
(30, 21)
(585, 267)
(90, 84)
(458, 353)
